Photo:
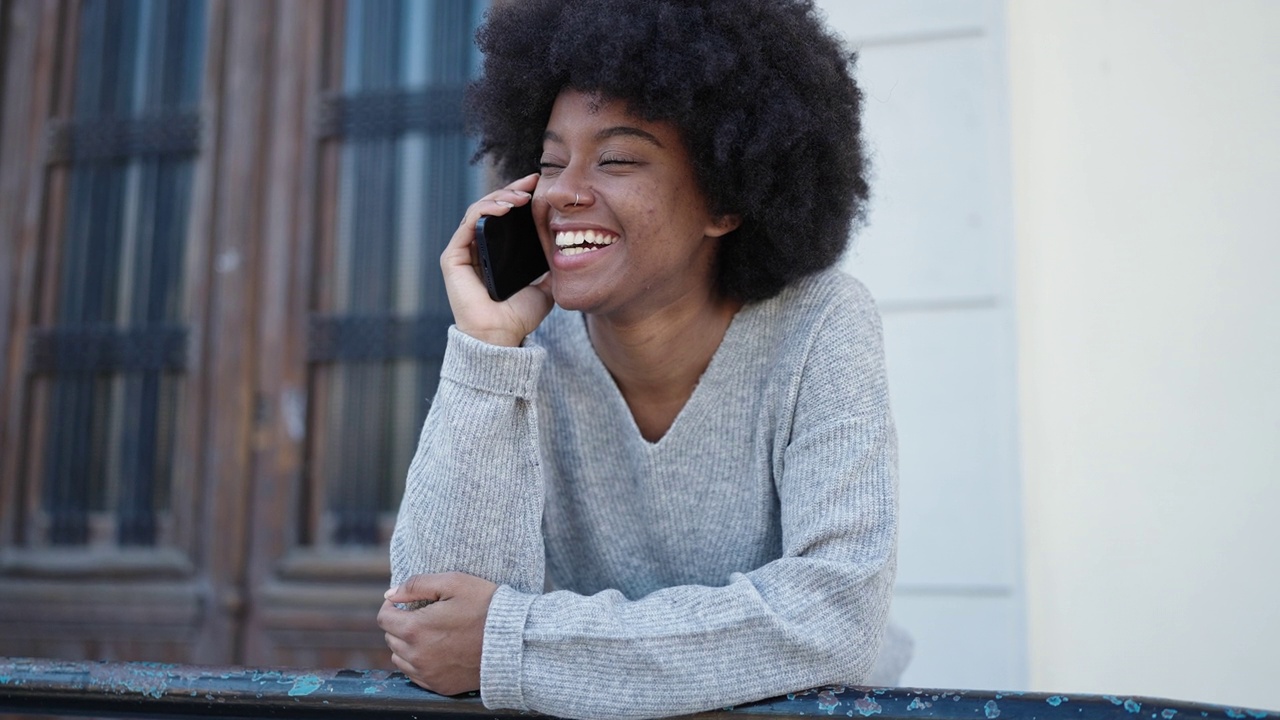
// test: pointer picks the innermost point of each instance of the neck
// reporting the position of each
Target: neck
(657, 360)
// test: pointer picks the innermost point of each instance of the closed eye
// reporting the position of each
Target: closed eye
(617, 161)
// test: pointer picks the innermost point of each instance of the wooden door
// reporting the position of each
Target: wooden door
(227, 318)
(111, 150)
(355, 314)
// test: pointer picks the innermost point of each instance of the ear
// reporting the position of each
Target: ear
(721, 225)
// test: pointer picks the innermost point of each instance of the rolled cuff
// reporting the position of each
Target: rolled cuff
(503, 651)
(491, 368)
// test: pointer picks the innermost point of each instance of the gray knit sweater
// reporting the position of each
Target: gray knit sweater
(748, 553)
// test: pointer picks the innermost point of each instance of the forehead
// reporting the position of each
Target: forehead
(578, 115)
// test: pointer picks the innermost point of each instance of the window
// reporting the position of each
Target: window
(226, 318)
(403, 180)
(106, 367)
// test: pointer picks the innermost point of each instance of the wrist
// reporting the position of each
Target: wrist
(494, 337)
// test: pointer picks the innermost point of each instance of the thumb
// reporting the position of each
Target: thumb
(422, 589)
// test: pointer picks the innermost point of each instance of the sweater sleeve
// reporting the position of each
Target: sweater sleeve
(474, 493)
(815, 616)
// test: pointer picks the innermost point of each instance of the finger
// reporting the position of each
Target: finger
(532, 302)
(403, 666)
(525, 184)
(430, 587)
(498, 202)
(397, 646)
(389, 617)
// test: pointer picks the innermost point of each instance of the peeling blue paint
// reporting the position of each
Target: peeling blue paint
(867, 706)
(304, 685)
(121, 684)
(150, 689)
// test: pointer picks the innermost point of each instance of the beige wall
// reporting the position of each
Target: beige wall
(1146, 145)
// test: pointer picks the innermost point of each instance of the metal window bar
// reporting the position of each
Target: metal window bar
(403, 182)
(158, 690)
(119, 342)
(114, 139)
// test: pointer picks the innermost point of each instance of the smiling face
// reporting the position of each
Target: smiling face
(624, 225)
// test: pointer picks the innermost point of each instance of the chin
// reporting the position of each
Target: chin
(581, 300)
(572, 302)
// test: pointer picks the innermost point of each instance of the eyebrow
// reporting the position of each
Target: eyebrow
(616, 131)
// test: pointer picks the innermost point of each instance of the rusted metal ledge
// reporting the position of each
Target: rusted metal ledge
(57, 687)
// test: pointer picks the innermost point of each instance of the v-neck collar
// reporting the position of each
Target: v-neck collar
(721, 366)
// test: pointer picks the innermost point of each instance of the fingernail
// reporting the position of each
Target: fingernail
(522, 193)
(390, 592)
(504, 203)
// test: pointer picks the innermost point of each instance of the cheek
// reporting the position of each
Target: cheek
(541, 217)
(660, 207)
(541, 206)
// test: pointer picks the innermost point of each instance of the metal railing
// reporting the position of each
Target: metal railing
(59, 687)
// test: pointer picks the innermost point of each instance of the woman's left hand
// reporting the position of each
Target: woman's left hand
(439, 645)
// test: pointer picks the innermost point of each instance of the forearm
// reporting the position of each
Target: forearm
(790, 625)
(474, 494)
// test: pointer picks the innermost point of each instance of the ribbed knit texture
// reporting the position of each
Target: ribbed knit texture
(748, 553)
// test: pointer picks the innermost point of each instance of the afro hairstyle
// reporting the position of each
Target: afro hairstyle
(759, 90)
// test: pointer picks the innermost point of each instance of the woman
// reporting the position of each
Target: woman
(694, 449)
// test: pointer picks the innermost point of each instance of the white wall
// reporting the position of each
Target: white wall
(1146, 140)
(937, 254)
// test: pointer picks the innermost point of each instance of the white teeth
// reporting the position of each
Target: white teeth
(576, 238)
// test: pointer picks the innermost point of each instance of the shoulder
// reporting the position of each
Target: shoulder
(826, 286)
(826, 312)
(830, 330)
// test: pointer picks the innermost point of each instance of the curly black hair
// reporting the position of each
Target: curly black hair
(760, 91)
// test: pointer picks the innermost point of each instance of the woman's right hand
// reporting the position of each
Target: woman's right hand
(474, 312)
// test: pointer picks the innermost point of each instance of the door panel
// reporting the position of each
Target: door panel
(228, 317)
(357, 336)
(100, 552)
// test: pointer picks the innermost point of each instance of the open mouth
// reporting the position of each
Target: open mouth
(576, 242)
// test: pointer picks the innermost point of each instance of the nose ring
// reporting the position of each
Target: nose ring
(575, 199)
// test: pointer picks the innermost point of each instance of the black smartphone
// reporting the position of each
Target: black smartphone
(510, 254)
